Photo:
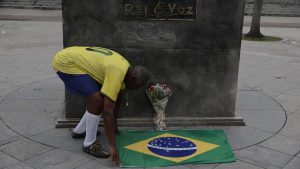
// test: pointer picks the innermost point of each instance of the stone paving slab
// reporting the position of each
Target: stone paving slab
(241, 137)
(106, 163)
(297, 111)
(259, 80)
(5, 89)
(7, 135)
(44, 107)
(269, 120)
(30, 117)
(270, 64)
(6, 160)
(237, 165)
(263, 157)
(50, 89)
(59, 159)
(295, 91)
(291, 66)
(25, 77)
(201, 166)
(95, 164)
(254, 100)
(49, 84)
(251, 57)
(36, 94)
(294, 164)
(60, 138)
(283, 144)
(290, 102)
(279, 77)
(29, 123)
(294, 77)
(24, 149)
(18, 166)
(275, 87)
(171, 167)
(292, 127)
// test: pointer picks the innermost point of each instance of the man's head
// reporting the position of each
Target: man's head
(136, 77)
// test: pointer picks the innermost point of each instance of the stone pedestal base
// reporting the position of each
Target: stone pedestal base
(170, 121)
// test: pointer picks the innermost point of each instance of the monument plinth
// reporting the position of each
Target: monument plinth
(192, 45)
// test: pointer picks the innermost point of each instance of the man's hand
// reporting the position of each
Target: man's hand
(110, 128)
(116, 111)
(114, 155)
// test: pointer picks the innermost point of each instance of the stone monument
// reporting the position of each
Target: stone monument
(192, 45)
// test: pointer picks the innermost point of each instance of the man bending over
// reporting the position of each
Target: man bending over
(99, 74)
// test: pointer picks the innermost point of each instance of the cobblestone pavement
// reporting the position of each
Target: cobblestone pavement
(32, 98)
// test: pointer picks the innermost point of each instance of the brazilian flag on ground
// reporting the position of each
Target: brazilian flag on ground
(175, 147)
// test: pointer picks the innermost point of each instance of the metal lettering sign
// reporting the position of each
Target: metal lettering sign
(158, 10)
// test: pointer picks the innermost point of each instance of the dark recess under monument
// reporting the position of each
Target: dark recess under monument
(192, 45)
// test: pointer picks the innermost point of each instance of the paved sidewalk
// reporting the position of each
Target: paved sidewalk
(32, 98)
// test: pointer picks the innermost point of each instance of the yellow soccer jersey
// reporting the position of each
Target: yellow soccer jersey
(105, 66)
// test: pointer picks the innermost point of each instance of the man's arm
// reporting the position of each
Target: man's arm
(109, 125)
(116, 111)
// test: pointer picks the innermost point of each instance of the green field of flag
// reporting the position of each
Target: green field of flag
(174, 147)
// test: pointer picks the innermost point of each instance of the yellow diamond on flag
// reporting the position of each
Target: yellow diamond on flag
(172, 147)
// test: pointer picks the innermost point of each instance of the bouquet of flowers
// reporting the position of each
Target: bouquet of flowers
(158, 94)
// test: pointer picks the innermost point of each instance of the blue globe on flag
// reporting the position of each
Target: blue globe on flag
(172, 147)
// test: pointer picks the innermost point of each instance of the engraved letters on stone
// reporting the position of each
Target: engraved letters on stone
(158, 10)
